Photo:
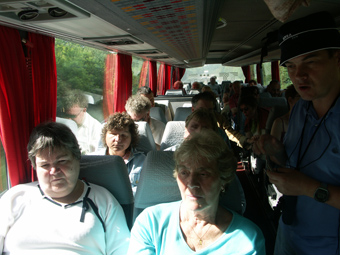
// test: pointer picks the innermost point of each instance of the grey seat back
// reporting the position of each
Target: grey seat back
(173, 134)
(174, 92)
(158, 114)
(146, 142)
(182, 113)
(111, 173)
(158, 185)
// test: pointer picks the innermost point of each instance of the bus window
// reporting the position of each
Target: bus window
(284, 78)
(3, 170)
(82, 68)
(204, 73)
(137, 64)
(267, 73)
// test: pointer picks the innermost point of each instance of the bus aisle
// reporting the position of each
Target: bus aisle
(256, 209)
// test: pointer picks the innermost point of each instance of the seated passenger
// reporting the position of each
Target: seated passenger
(256, 117)
(204, 166)
(74, 106)
(272, 90)
(196, 122)
(60, 214)
(215, 87)
(147, 92)
(179, 85)
(120, 137)
(280, 125)
(138, 107)
(196, 85)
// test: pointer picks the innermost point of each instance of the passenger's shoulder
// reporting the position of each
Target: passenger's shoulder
(22, 192)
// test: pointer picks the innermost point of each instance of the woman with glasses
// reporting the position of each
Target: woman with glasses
(120, 137)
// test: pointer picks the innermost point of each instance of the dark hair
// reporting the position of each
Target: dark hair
(120, 121)
(249, 91)
(52, 135)
(203, 96)
(143, 91)
(248, 100)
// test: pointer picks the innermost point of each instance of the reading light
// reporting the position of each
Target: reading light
(57, 12)
(28, 15)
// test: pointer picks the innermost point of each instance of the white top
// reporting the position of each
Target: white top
(89, 134)
(157, 128)
(31, 224)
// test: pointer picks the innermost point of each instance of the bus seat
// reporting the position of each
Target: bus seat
(173, 134)
(111, 173)
(70, 123)
(194, 92)
(174, 92)
(158, 114)
(182, 113)
(158, 185)
(146, 142)
(274, 113)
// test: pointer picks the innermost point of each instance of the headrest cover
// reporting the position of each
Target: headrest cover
(312, 33)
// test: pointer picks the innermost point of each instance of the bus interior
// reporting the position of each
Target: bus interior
(182, 34)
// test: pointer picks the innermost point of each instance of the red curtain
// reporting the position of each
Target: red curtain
(108, 106)
(163, 79)
(123, 81)
(177, 74)
(143, 74)
(44, 77)
(246, 72)
(258, 73)
(24, 100)
(275, 70)
(153, 77)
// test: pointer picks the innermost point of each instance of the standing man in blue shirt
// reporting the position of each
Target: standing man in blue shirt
(310, 178)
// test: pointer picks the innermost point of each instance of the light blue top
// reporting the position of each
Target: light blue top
(134, 165)
(157, 231)
(316, 224)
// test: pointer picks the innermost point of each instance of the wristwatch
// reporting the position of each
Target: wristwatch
(321, 194)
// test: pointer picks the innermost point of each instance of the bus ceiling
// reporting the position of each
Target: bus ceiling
(182, 33)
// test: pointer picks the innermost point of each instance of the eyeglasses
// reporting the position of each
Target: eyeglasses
(73, 116)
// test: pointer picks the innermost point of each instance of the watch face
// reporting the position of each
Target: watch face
(321, 195)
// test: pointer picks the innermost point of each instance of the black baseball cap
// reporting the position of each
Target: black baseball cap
(314, 32)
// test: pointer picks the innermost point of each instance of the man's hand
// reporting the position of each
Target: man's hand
(272, 147)
(292, 182)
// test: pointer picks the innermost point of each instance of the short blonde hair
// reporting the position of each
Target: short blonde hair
(138, 104)
(204, 115)
(209, 145)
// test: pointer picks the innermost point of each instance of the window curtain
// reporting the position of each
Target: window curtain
(44, 78)
(123, 81)
(153, 77)
(24, 100)
(246, 72)
(163, 79)
(108, 90)
(258, 74)
(144, 74)
(177, 74)
(275, 70)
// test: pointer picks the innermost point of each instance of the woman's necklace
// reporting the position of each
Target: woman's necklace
(200, 239)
